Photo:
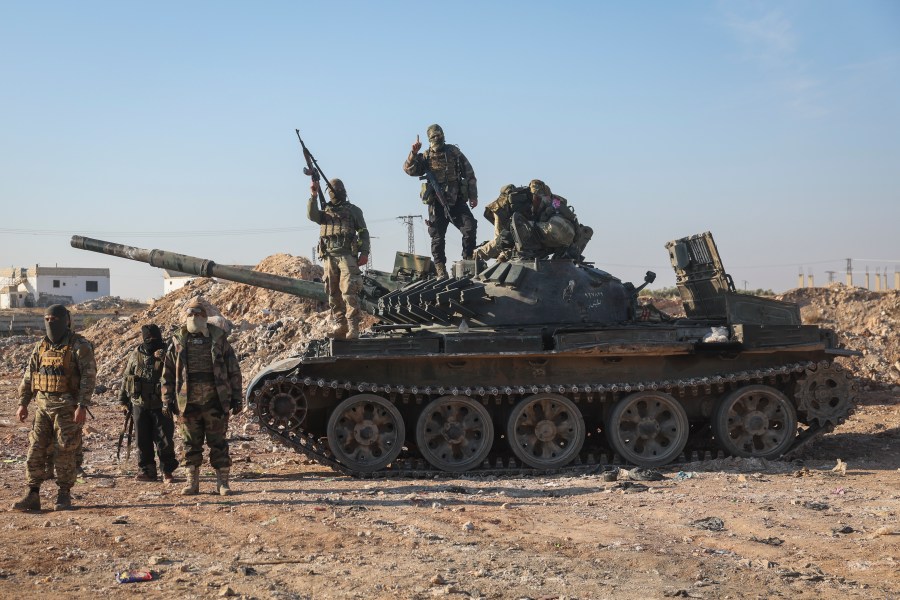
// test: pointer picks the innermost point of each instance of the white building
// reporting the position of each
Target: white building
(43, 286)
(175, 280)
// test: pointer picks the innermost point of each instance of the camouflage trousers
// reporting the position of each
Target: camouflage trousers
(462, 219)
(205, 423)
(343, 281)
(53, 431)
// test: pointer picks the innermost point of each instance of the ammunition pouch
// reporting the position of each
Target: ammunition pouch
(133, 387)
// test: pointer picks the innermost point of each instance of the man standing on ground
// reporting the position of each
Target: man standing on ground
(60, 378)
(455, 178)
(201, 381)
(343, 248)
(141, 395)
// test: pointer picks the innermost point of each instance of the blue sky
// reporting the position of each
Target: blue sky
(774, 125)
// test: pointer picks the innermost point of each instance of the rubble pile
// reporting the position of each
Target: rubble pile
(865, 320)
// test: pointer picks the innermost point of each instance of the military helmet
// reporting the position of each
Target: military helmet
(539, 188)
(339, 193)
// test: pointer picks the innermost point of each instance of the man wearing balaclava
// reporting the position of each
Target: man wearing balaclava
(343, 249)
(448, 166)
(201, 382)
(60, 379)
(141, 395)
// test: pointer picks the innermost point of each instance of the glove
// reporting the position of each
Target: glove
(166, 411)
(236, 407)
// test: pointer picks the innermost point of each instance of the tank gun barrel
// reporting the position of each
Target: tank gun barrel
(203, 267)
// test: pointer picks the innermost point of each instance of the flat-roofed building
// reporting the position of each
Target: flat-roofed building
(43, 286)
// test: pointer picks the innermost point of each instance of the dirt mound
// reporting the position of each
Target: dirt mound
(865, 320)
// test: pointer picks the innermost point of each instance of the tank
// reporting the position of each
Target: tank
(540, 365)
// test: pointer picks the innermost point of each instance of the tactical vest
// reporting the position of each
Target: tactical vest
(444, 165)
(56, 373)
(143, 385)
(337, 231)
(200, 378)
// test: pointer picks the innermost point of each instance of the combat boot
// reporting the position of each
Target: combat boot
(63, 500)
(353, 330)
(193, 482)
(222, 481)
(31, 501)
(440, 269)
(340, 329)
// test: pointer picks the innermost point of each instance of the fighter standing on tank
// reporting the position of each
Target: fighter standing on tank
(343, 247)
(60, 378)
(201, 380)
(142, 396)
(446, 165)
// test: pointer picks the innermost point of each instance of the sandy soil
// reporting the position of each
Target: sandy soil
(294, 530)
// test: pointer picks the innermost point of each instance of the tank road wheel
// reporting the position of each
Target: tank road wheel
(455, 433)
(648, 429)
(546, 431)
(281, 405)
(755, 421)
(366, 432)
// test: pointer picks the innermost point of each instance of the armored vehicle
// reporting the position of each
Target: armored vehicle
(541, 365)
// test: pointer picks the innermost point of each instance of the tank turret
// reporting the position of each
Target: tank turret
(542, 365)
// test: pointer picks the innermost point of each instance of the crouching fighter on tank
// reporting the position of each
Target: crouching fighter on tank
(343, 248)
(201, 381)
(60, 378)
(141, 396)
(551, 227)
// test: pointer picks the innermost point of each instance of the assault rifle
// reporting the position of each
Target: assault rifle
(433, 182)
(127, 429)
(313, 169)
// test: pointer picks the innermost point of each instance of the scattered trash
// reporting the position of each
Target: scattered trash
(248, 571)
(609, 472)
(771, 541)
(643, 474)
(840, 468)
(709, 523)
(468, 526)
(844, 529)
(630, 486)
(716, 335)
(815, 505)
(121, 520)
(682, 475)
(134, 576)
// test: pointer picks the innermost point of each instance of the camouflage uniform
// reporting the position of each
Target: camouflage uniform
(202, 377)
(455, 175)
(512, 199)
(343, 237)
(153, 425)
(552, 226)
(59, 378)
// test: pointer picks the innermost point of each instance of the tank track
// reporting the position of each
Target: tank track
(794, 377)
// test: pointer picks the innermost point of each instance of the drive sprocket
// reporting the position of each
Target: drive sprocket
(825, 394)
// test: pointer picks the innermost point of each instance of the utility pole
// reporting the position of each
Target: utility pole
(831, 275)
(408, 220)
(849, 272)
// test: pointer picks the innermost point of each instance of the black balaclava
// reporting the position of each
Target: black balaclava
(152, 338)
(59, 325)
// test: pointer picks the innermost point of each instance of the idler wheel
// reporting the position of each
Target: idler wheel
(755, 421)
(648, 429)
(366, 432)
(455, 433)
(281, 405)
(546, 431)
